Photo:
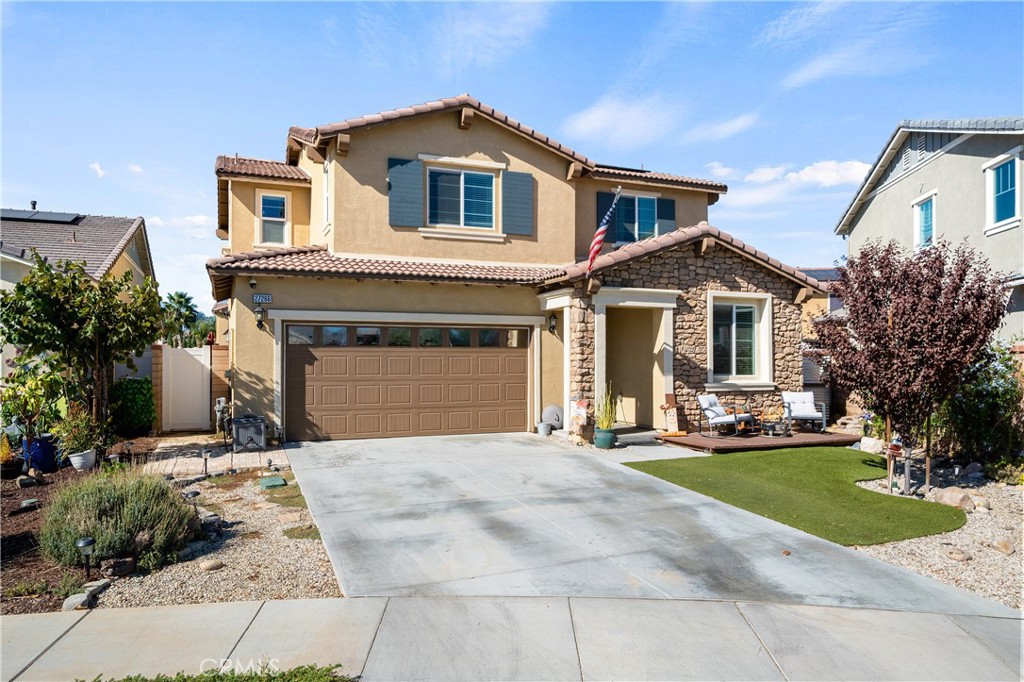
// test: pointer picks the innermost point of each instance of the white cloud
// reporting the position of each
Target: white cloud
(765, 174)
(483, 34)
(831, 173)
(192, 226)
(873, 39)
(135, 168)
(97, 169)
(714, 132)
(622, 123)
(722, 171)
(798, 25)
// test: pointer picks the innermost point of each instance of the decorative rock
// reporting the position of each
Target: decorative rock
(115, 568)
(191, 550)
(290, 517)
(872, 445)
(211, 523)
(211, 565)
(38, 476)
(96, 586)
(26, 481)
(1004, 546)
(29, 504)
(982, 510)
(974, 468)
(954, 497)
(981, 502)
(259, 506)
(78, 602)
(957, 554)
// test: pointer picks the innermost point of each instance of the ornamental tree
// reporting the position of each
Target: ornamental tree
(82, 324)
(913, 326)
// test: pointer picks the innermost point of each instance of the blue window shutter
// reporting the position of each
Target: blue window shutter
(517, 203)
(405, 193)
(666, 215)
(625, 219)
(604, 202)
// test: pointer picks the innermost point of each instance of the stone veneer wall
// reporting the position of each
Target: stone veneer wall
(721, 269)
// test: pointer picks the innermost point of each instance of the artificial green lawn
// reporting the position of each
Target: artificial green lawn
(811, 489)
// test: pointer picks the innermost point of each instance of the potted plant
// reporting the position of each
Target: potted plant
(11, 465)
(78, 435)
(604, 420)
(30, 392)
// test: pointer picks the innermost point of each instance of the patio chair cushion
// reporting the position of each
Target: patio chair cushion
(801, 404)
(710, 405)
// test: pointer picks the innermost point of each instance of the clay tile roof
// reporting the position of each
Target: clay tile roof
(614, 172)
(314, 135)
(653, 245)
(316, 261)
(235, 166)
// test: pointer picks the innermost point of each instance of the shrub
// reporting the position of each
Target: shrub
(132, 405)
(77, 431)
(984, 419)
(126, 512)
(1006, 470)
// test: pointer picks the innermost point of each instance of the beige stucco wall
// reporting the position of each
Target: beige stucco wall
(125, 264)
(632, 360)
(691, 208)
(253, 349)
(812, 309)
(959, 210)
(361, 191)
(243, 213)
(552, 364)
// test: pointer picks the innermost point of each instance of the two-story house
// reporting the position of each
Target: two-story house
(422, 271)
(956, 180)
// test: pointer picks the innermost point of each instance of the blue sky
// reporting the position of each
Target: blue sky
(121, 109)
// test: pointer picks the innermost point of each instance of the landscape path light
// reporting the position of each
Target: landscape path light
(86, 546)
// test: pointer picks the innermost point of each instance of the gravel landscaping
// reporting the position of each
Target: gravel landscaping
(258, 560)
(978, 566)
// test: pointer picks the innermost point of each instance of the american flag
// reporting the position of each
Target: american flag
(602, 230)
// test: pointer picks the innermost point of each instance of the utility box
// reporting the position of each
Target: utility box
(248, 432)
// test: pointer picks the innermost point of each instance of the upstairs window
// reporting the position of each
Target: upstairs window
(1002, 200)
(460, 198)
(1004, 195)
(924, 219)
(637, 217)
(272, 224)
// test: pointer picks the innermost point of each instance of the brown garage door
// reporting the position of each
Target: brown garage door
(348, 381)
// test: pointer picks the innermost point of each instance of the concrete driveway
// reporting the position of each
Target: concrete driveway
(520, 515)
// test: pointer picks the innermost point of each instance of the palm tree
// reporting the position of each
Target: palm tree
(180, 313)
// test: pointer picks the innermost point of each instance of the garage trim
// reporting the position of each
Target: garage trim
(280, 316)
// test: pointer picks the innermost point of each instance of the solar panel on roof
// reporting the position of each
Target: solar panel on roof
(53, 217)
(16, 214)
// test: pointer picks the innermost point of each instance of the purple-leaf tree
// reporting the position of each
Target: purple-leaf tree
(914, 323)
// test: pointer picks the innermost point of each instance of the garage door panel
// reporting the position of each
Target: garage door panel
(337, 392)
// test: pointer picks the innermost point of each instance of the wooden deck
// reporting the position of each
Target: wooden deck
(720, 444)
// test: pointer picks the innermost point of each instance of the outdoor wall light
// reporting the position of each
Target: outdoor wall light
(86, 546)
(261, 315)
(552, 323)
(252, 282)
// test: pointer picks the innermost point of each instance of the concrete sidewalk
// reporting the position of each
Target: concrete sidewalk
(516, 638)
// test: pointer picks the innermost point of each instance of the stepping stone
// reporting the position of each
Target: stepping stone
(272, 482)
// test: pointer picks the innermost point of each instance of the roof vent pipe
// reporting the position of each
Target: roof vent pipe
(32, 204)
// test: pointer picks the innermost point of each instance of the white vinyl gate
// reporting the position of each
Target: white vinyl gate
(186, 389)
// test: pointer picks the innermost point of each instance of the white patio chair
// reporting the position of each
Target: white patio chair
(717, 416)
(800, 406)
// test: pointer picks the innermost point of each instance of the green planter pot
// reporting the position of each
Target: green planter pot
(604, 439)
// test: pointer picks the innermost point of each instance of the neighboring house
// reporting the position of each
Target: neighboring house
(103, 243)
(951, 179)
(819, 305)
(417, 272)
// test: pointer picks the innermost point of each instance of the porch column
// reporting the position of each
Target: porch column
(668, 348)
(600, 349)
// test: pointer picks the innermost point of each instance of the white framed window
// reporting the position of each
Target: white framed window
(924, 219)
(460, 198)
(739, 338)
(327, 194)
(636, 217)
(1003, 203)
(273, 217)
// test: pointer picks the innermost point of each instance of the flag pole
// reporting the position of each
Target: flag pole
(599, 235)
